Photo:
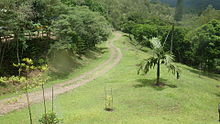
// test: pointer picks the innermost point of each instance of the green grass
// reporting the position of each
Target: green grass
(86, 64)
(190, 100)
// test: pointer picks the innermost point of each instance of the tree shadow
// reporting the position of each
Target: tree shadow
(206, 74)
(217, 94)
(62, 71)
(69, 63)
(94, 52)
(151, 83)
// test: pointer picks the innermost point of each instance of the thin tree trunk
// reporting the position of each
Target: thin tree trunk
(3, 53)
(45, 107)
(166, 38)
(28, 101)
(18, 57)
(29, 35)
(158, 73)
(1, 43)
(171, 46)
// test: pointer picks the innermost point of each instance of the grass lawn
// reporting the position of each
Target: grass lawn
(191, 100)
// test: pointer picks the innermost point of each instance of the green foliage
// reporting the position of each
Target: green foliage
(143, 32)
(149, 29)
(193, 21)
(12, 84)
(26, 66)
(79, 30)
(96, 7)
(206, 43)
(50, 118)
(16, 80)
(159, 57)
(3, 81)
(182, 47)
(122, 11)
(136, 101)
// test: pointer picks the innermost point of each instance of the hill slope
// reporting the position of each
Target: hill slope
(194, 4)
(191, 100)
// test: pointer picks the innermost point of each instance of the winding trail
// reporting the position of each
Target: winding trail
(36, 97)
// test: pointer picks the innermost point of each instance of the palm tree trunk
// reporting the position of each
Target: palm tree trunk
(158, 73)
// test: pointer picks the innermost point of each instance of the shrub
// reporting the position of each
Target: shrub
(3, 81)
(50, 118)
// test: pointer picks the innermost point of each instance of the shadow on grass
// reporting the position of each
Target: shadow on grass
(93, 52)
(206, 74)
(217, 94)
(62, 71)
(69, 63)
(151, 83)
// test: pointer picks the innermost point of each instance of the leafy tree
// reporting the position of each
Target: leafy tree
(182, 47)
(206, 41)
(208, 15)
(159, 57)
(81, 29)
(143, 32)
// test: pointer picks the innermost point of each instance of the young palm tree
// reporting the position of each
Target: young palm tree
(159, 57)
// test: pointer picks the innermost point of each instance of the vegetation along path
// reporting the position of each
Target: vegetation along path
(36, 97)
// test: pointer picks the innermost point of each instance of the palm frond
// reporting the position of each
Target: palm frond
(147, 64)
(156, 43)
(168, 62)
(168, 58)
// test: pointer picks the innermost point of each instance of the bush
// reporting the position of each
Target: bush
(16, 80)
(3, 81)
(50, 118)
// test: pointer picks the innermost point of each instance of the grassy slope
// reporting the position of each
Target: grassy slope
(136, 101)
(87, 64)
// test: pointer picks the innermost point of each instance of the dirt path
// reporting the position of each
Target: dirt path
(36, 97)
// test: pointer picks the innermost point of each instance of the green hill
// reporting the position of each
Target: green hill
(194, 4)
(191, 100)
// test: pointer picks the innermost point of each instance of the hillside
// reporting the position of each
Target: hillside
(191, 100)
(194, 4)
(109, 62)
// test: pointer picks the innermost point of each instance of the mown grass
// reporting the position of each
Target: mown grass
(191, 100)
